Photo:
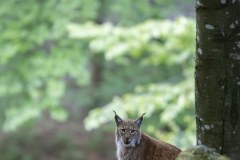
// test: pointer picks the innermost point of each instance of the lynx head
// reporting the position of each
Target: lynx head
(128, 132)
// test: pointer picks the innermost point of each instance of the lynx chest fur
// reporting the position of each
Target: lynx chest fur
(132, 144)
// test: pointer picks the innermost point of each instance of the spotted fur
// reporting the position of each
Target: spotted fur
(132, 144)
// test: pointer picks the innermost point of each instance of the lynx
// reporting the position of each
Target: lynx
(132, 144)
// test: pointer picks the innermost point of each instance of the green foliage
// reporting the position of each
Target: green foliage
(49, 49)
(128, 12)
(36, 55)
(154, 43)
(152, 39)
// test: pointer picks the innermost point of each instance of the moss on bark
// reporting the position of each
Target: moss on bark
(200, 153)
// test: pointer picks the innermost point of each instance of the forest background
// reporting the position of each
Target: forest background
(66, 64)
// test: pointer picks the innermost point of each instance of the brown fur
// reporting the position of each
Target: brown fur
(139, 145)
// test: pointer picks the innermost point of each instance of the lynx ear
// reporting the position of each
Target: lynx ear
(118, 120)
(138, 121)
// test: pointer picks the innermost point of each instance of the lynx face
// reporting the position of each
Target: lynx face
(128, 132)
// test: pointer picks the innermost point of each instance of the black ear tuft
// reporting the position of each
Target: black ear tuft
(138, 121)
(118, 120)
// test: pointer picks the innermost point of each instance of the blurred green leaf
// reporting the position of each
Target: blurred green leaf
(19, 116)
(59, 114)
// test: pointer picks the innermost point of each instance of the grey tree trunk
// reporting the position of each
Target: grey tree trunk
(217, 75)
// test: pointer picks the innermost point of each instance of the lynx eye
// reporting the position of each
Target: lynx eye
(123, 130)
(132, 131)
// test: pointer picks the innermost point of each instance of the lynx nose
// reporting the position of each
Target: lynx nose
(127, 141)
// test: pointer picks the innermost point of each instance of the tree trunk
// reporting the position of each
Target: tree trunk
(217, 75)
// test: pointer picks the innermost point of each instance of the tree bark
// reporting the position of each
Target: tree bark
(217, 75)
